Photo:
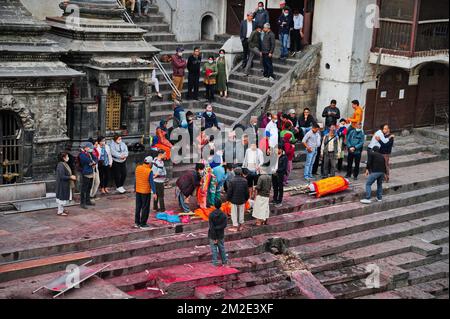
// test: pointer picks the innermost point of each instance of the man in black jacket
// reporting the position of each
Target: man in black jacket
(376, 168)
(247, 27)
(238, 196)
(278, 177)
(217, 224)
(331, 114)
(194, 65)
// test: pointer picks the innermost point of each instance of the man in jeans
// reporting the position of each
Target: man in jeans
(238, 196)
(376, 168)
(285, 25)
(160, 174)
(217, 224)
(87, 163)
(187, 184)
(355, 143)
(311, 141)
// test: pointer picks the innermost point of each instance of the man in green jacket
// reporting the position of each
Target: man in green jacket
(254, 46)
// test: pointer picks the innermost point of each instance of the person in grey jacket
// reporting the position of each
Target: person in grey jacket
(119, 153)
(267, 49)
(65, 183)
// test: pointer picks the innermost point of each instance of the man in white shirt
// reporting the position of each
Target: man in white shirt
(380, 136)
(253, 161)
(297, 33)
(311, 141)
(247, 27)
(273, 130)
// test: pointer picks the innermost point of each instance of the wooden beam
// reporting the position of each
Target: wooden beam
(414, 27)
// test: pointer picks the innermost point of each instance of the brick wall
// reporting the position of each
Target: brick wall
(303, 89)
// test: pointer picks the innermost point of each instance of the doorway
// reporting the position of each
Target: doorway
(11, 147)
(235, 14)
(208, 28)
(391, 102)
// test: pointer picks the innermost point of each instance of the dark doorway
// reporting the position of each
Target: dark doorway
(235, 14)
(274, 13)
(11, 136)
(391, 102)
(432, 88)
(208, 28)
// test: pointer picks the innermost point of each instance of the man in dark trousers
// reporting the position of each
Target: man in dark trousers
(267, 50)
(278, 177)
(194, 67)
(355, 144)
(216, 233)
(187, 184)
(238, 196)
(144, 186)
(87, 163)
(376, 168)
(247, 27)
(331, 114)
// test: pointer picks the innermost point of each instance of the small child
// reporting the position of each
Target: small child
(217, 224)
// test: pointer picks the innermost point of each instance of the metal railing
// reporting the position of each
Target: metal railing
(155, 58)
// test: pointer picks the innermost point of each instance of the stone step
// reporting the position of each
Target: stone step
(435, 236)
(416, 184)
(158, 37)
(438, 270)
(152, 10)
(435, 287)
(258, 264)
(152, 17)
(244, 86)
(432, 133)
(243, 95)
(155, 27)
(261, 277)
(355, 289)
(342, 275)
(209, 292)
(275, 290)
(231, 100)
(278, 66)
(309, 286)
(401, 293)
(222, 118)
(258, 73)
(188, 46)
(372, 252)
(239, 76)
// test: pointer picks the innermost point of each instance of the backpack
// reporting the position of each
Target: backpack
(78, 166)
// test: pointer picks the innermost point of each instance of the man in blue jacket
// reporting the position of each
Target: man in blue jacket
(355, 143)
(285, 24)
(87, 163)
(261, 15)
(209, 118)
(247, 27)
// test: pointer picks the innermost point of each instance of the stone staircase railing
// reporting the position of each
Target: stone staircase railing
(282, 85)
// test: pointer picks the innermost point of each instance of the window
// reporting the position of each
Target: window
(113, 110)
(397, 9)
(433, 10)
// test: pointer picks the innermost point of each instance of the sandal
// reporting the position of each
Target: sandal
(62, 214)
(233, 229)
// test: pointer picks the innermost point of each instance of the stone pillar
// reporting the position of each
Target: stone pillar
(103, 94)
(147, 110)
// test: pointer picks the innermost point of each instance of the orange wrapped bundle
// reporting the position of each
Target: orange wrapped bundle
(203, 213)
(329, 185)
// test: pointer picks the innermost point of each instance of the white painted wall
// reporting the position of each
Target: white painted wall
(187, 18)
(346, 40)
(43, 8)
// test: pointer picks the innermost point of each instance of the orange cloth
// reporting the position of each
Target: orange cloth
(142, 179)
(330, 185)
(226, 208)
(357, 116)
(163, 142)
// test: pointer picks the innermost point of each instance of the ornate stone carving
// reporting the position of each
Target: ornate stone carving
(9, 103)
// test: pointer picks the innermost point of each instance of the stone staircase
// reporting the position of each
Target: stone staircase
(335, 242)
(243, 90)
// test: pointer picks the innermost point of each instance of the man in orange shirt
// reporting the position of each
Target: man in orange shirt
(357, 116)
(144, 186)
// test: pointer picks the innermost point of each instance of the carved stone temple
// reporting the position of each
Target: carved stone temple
(33, 96)
(83, 74)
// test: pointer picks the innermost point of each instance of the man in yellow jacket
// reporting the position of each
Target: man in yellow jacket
(357, 116)
(144, 186)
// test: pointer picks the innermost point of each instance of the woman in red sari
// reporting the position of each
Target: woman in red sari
(163, 142)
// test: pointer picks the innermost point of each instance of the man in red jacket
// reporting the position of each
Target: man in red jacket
(178, 64)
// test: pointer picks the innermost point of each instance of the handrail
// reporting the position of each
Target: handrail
(155, 59)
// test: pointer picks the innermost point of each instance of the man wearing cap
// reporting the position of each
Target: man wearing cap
(178, 65)
(267, 50)
(247, 27)
(144, 186)
(238, 196)
(87, 162)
